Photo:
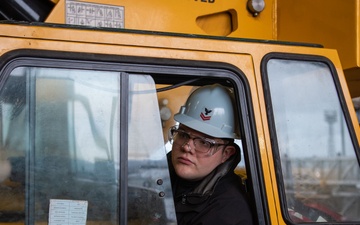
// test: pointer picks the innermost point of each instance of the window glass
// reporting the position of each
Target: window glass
(61, 137)
(60, 156)
(14, 142)
(149, 189)
(319, 166)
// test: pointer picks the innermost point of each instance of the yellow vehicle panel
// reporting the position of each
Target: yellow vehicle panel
(242, 55)
(195, 17)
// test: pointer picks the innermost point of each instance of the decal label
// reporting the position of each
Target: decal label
(208, 1)
(93, 14)
(63, 212)
(206, 114)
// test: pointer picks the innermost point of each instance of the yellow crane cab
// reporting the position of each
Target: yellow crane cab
(85, 112)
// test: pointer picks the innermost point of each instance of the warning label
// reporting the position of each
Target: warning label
(95, 15)
(67, 212)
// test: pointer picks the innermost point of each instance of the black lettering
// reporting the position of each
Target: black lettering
(208, 1)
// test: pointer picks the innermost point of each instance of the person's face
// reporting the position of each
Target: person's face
(192, 165)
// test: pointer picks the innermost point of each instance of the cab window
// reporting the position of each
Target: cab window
(60, 138)
(315, 145)
(86, 142)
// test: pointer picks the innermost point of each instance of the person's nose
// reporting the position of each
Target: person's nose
(187, 147)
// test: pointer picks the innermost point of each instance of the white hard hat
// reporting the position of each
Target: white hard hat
(209, 110)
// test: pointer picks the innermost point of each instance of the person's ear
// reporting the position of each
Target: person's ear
(228, 152)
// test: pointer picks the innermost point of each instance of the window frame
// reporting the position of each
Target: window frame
(163, 68)
(271, 117)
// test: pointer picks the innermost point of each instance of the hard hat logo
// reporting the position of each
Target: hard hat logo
(205, 116)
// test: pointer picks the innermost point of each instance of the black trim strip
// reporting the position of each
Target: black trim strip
(123, 186)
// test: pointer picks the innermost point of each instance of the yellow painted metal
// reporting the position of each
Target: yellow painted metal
(331, 23)
(205, 17)
(334, 24)
(246, 56)
(218, 24)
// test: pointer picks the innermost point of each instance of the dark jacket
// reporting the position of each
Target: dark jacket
(218, 199)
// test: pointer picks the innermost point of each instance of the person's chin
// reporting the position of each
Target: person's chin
(187, 173)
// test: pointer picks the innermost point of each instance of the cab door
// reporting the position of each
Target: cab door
(313, 141)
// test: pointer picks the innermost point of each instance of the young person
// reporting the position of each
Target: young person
(202, 161)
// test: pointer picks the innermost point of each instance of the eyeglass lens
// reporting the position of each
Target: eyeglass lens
(201, 145)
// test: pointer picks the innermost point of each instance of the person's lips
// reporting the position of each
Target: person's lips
(184, 160)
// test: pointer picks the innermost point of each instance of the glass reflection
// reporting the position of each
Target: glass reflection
(150, 195)
(319, 165)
